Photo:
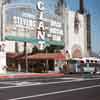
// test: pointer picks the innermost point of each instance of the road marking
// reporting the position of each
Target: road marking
(39, 83)
(68, 78)
(5, 82)
(8, 83)
(48, 83)
(21, 83)
(14, 82)
(57, 92)
(31, 82)
(18, 82)
(28, 83)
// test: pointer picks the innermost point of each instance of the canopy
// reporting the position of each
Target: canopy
(43, 56)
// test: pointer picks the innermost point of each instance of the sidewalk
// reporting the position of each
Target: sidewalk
(14, 75)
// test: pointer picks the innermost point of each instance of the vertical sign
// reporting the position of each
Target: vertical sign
(40, 30)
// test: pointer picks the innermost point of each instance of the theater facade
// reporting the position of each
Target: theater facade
(32, 37)
(36, 41)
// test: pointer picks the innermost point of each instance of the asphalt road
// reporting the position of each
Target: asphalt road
(62, 88)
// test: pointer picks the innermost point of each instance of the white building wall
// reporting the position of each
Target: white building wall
(65, 16)
(10, 46)
(76, 38)
(21, 47)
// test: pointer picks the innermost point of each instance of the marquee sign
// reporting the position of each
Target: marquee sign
(39, 27)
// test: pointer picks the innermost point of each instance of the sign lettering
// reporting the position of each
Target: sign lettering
(40, 5)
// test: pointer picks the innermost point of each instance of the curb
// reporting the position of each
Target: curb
(31, 75)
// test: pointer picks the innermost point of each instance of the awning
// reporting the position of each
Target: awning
(33, 40)
(44, 56)
(21, 39)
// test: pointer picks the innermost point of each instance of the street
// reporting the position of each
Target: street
(60, 88)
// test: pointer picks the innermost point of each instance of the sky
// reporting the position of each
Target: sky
(93, 6)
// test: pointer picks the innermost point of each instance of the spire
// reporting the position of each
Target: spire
(60, 5)
(81, 10)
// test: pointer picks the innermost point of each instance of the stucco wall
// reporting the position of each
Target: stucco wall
(76, 39)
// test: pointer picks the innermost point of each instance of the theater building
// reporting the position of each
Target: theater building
(34, 38)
